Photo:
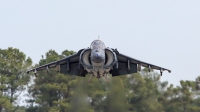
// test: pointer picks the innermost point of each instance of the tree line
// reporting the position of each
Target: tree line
(56, 92)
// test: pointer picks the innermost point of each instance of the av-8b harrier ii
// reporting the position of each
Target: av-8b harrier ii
(98, 61)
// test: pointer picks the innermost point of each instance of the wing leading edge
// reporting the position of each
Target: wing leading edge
(69, 65)
(127, 65)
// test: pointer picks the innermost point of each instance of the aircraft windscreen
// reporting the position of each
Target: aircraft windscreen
(97, 45)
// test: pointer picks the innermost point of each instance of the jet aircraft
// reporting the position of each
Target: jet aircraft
(98, 61)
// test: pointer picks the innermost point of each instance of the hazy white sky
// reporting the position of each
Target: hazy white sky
(164, 33)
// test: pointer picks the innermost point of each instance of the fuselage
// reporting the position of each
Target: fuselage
(97, 51)
(98, 60)
(97, 57)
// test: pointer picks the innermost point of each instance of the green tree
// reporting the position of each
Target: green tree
(116, 98)
(13, 65)
(4, 100)
(5, 103)
(21, 109)
(170, 99)
(144, 92)
(80, 101)
(97, 91)
(52, 90)
(181, 98)
(66, 53)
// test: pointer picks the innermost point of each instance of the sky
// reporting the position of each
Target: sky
(164, 33)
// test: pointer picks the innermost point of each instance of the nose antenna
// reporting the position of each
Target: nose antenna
(98, 37)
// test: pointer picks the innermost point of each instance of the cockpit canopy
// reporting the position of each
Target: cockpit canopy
(97, 44)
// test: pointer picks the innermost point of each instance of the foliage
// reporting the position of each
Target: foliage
(52, 90)
(13, 65)
(116, 97)
(55, 92)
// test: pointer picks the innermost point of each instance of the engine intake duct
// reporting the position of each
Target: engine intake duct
(111, 58)
(85, 58)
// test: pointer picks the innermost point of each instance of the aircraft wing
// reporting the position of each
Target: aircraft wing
(69, 65)
(128, 65)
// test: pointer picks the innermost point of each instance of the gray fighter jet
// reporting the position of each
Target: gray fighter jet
(98, 61)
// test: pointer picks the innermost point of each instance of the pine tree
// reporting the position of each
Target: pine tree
(13, 67)
(116, 98)
(52, 90)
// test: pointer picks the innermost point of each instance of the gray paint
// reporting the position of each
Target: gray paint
(120, 65)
